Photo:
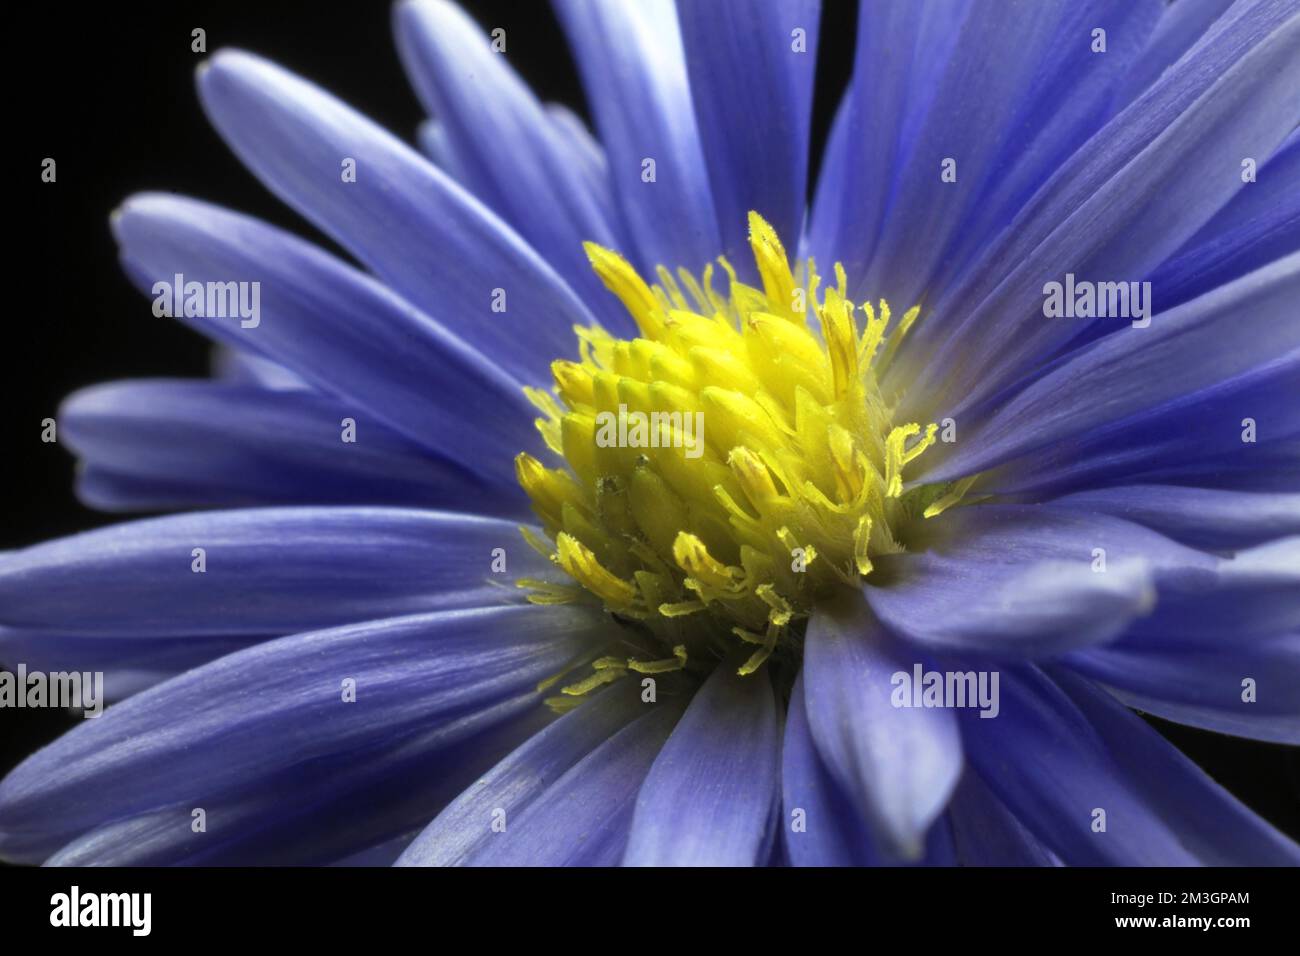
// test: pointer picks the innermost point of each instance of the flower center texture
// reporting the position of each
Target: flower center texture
(729, 468)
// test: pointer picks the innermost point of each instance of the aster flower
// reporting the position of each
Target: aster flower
(699, 649)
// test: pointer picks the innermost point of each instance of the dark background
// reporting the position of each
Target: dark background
(109, 94)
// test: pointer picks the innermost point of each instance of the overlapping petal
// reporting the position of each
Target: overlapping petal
(711, 794)
(1237, 340)
(822, 826)
(244, 722)
(1143, 186)
(415, 228)
(634, 71)
(1246, 687)
(186, 444)
(583, 818)
(1209, 518)
(1099, 787)
(751, 66)
(481, 103)
(897, 765)
(1013, 580)
(470, 822)
(312, 814)
(336, 327)
(265, 571)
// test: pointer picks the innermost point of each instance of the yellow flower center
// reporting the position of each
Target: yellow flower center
(729, 468)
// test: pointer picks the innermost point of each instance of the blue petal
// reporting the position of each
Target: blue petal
(1030, 580)
(587, 156)
(225, 445)
(898, 764)
(1202, 517)
(1255, 592)
(1197, 439)
(1075, 751)
(436, 145)
(237, 367)
(895, 74)
(632, 66)
(312, 814)
(337, 328)
(465, 826)
(129, 665)
(1203, 685)
(753, 99)
(709, 799)
(482, 103)
(986, 833)
(1260, 224)
(1068, 99)
(415, 228)
(1180, 25)
(583, 818)
(1013, 67)
(268, 571)
(1145, 184)
(260, 714)
(1211, 344)
(821, 825)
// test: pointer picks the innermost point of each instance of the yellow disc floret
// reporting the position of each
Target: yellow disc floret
(730, 467)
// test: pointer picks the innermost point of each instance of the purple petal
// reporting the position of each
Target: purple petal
(465, 826)
(238, 367)
(268, 571)
(1255, 592)
(187, 444)
(583, 818)
(481, 103)
(312, 814)
(1077, 752)
(1201, 517)
(295, 137)
(820, 827)
(129, 665)
(634, 72)
(1030, 580)
(1206, 686)
(895, 76)
(336, 327)
(1201, 346)
(710, 797)
(899, 765)
(228, 727)
(1260, 224)
(986, 833)
(1145, 184)
(1004, 55)
(753, 93)
(1180, 25)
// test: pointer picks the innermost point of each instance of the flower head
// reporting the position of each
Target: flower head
(857, 567)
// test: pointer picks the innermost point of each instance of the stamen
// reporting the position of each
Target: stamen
(790, 486)
(579, 561)
(674, 663)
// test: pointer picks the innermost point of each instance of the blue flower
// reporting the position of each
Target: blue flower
(897, 607)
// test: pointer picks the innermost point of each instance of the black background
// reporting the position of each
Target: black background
(108, 92)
